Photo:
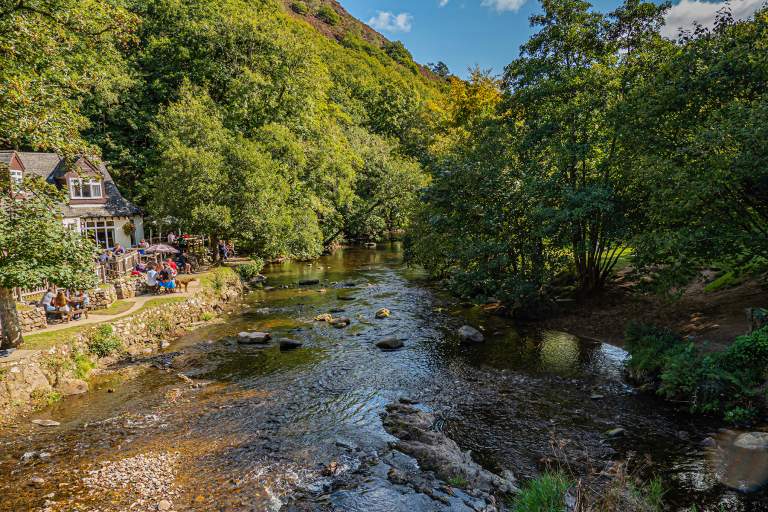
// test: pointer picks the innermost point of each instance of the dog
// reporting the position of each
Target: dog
(184, 282)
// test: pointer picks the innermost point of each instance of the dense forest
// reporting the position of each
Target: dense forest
(289, 125)
(229, 118)
(602, 140)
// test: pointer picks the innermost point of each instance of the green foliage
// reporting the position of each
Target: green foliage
(458, 481)
(300, 8)
(543, 494)
(207, 316)
(329, 15)
(250, 270)
(83, 365)
(44, 398)
(159, 326)
(103, 342)
(727, 382)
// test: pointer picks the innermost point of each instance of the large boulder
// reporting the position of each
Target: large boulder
(289, 344)
(752, 441)
(468, 334)
(253, 338)
(390, 344)
(72, 387)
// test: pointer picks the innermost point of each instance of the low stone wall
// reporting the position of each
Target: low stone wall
(102, 297)
(31, 318)
(30, 377)
(129, 286)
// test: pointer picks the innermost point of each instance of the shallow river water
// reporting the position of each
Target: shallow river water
(263, 427)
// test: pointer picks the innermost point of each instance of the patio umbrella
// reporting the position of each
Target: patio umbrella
(161, 248)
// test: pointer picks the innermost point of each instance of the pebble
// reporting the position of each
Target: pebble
(46, 423)
(36, 481)
(164, 505)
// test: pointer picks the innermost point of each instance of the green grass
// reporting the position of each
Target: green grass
(83, 365)
(159, 301)
(457, 481)
(116, 308)
(46, 340)
(543, 494)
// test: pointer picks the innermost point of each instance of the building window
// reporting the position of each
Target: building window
(84, 188)
(102, 231)
(17, 177)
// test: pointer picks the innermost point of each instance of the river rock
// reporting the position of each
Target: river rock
(340, 322)
(36, 481)
(436, 452)
(46, 423)
(752, 441)
(390, 344)
(468, 334)
(289, 344)
(247, 338)
(309, 282)
(382, 313)
(73, 387)
(164, 505)
(325, 317)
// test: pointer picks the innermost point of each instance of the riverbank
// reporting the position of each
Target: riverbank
(716, 317)
(58, 361)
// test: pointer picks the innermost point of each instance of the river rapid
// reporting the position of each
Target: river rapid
(265, 429)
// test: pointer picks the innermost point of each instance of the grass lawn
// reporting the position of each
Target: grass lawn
(157, 301)
(117, 307)
(46, 340)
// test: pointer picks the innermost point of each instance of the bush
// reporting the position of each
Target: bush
(207, 316)
(543, 494)
(250, 270)
(728, 382)
(300, 8)
(83, 365)
(328, 15)
(103, 342)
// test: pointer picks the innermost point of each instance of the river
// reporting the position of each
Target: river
(262, 427)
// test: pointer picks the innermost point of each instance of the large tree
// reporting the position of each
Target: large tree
(35, 248)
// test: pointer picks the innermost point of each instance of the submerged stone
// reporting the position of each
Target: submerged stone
(289, 344)
(390, 344)
(247, 338)
(469, 334)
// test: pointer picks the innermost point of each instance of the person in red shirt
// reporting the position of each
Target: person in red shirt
(173, 265)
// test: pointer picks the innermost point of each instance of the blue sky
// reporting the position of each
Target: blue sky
(488, 33)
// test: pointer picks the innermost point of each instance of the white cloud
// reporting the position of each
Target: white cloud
(443, 3)
(503, 5)
(684, 14)
(390, 22)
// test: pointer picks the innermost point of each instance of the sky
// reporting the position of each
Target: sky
(488, 33)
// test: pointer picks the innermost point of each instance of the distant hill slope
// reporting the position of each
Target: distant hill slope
(347, 23)
(343, 26)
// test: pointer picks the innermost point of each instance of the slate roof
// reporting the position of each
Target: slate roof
(51, 166)
(5, 156)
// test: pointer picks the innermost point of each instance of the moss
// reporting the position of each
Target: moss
(725, 280)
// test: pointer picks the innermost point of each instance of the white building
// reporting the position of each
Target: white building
(94, 204)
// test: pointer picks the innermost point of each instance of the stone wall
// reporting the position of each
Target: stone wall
(102, 296)
(28, 376)
(129, 286)
(31, 318)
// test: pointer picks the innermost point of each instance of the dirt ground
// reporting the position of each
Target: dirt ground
(712, 317)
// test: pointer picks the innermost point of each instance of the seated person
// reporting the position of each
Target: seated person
(184, 264)
(143, 245)
(169, 262)
(139, 269)
(57, 304)
(119, 249)
(83, 298)
(152, 281)
(47, 300)
(166, 278)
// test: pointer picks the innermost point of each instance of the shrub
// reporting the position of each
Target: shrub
(543, 494)
(103, 342)
(328, 15)
(728, 382)
(207, 316)
(42, 398)
(250, 270)
(300, 8)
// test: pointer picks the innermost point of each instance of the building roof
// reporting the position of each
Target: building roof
(51, 166)
(6, 155)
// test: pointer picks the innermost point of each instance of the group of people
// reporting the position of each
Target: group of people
(162, 276)
(59, 301)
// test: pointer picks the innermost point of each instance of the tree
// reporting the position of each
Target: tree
(440, 69)
(35, 247)
(56, 54)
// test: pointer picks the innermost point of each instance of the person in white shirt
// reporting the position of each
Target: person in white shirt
(171, 238)
(152, 277)
(47, 301)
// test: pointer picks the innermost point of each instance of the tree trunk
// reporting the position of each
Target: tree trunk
(9, 320)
